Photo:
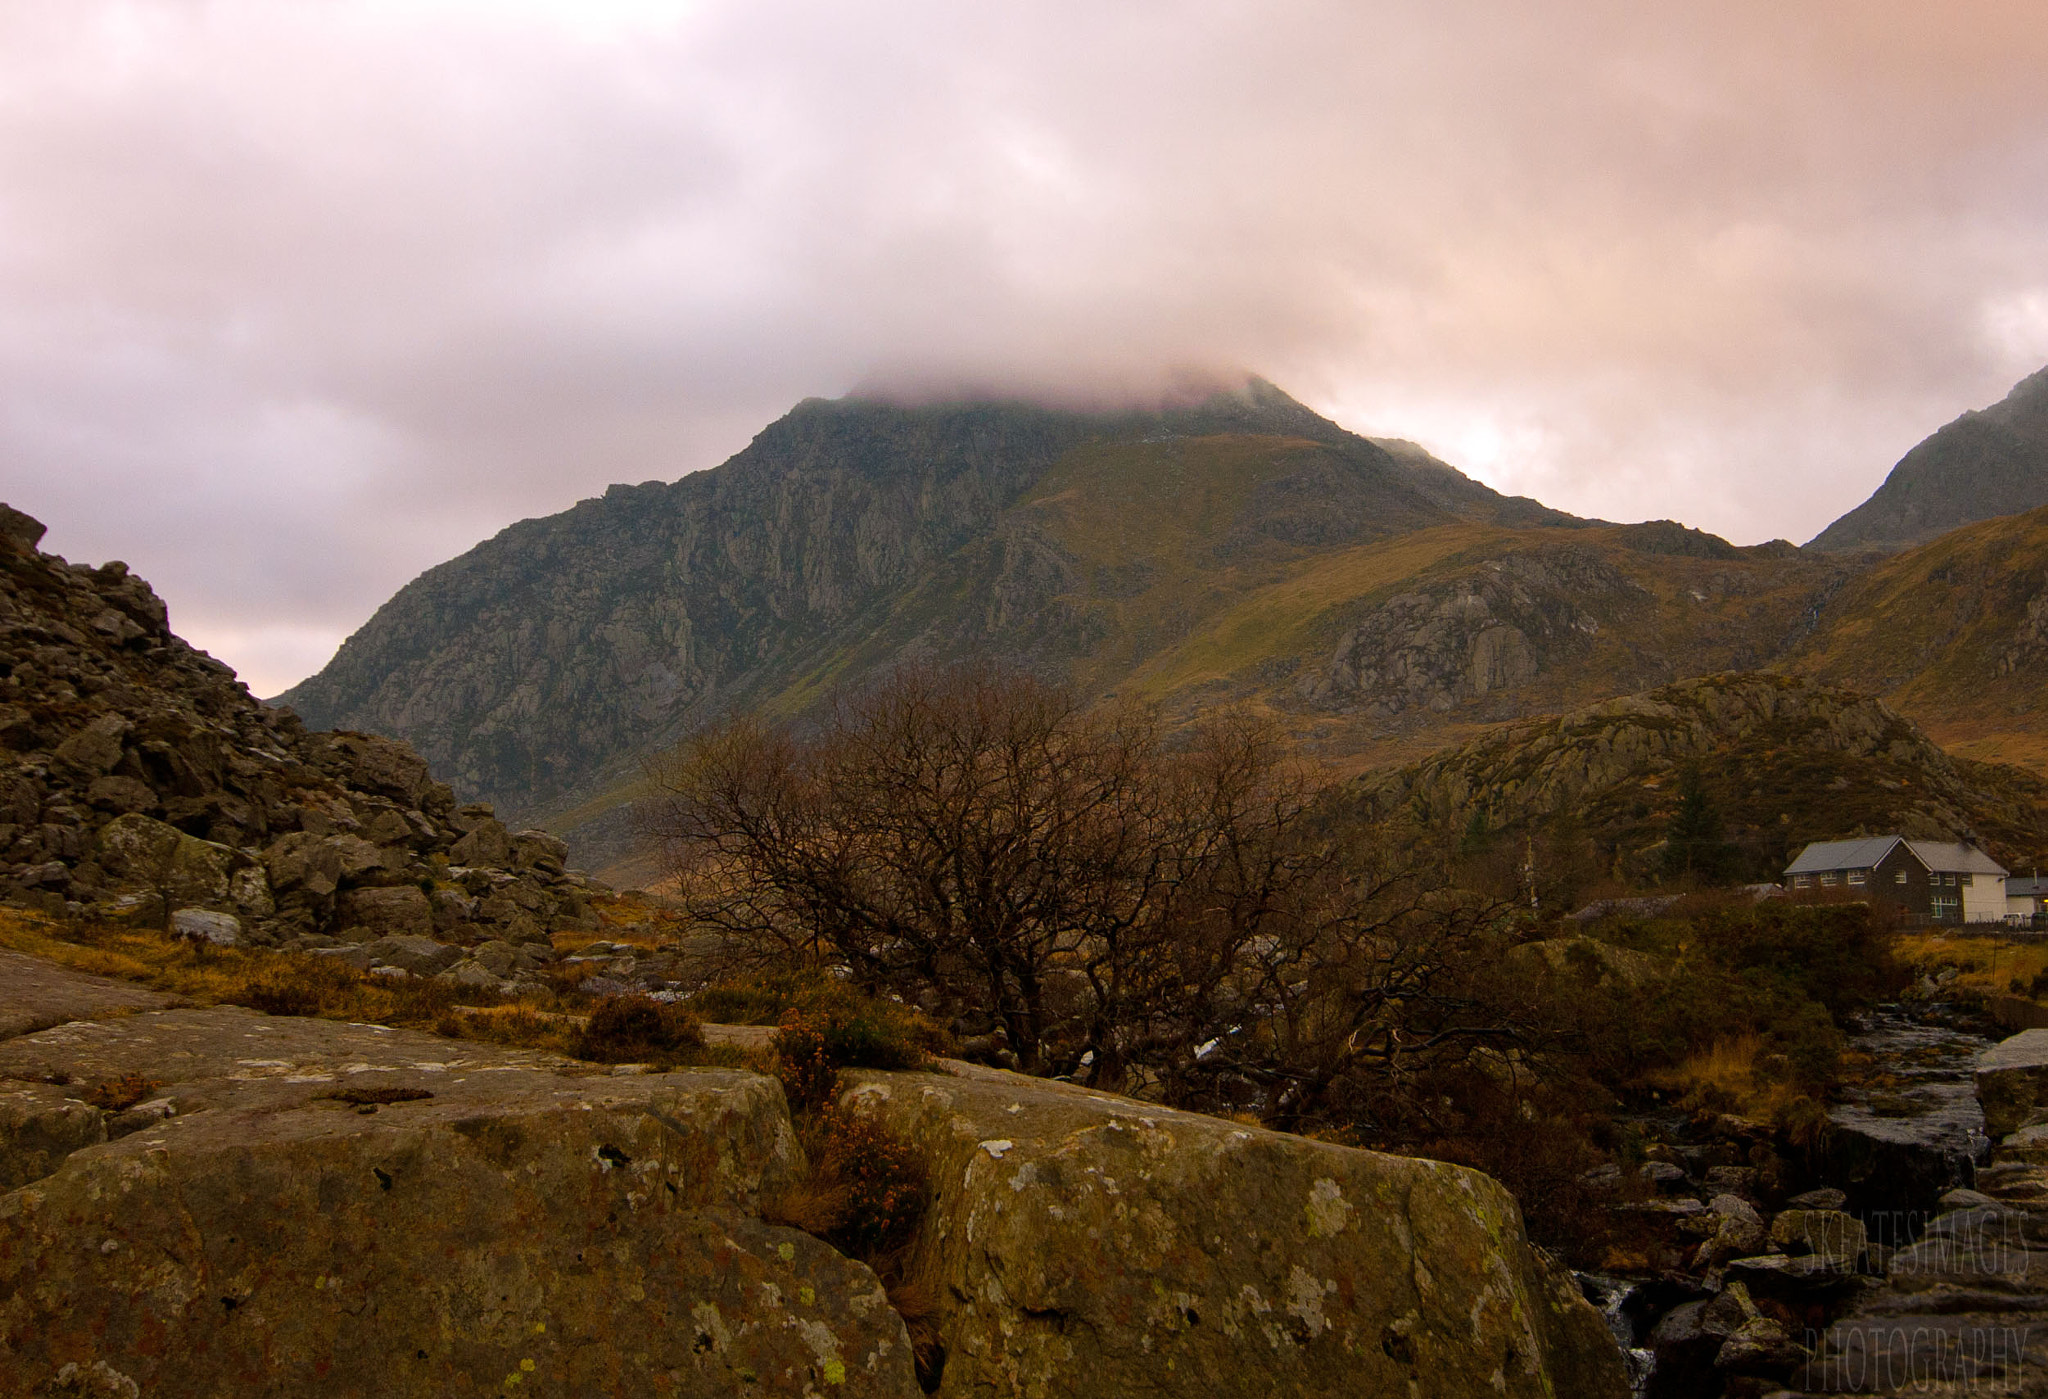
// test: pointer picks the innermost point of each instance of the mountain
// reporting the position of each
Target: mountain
(847, 532)
(1953, 633)
(1784, 760)
(1373, 600)
(1984, 464)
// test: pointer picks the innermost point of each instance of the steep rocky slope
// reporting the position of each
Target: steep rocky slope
(138, 777)
(1984, 464)
(1785, 759)
(1374, 600)
(1953, 633)
(847, 533)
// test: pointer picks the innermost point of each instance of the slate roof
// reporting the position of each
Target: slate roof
(2025, 887)
(1842, 854)
(1945, 857)
(1954, 859)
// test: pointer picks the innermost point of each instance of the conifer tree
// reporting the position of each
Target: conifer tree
(1693, 846)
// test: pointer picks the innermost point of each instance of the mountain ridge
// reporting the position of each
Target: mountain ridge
(1373, 601)
(1987, 463)
(563, 645)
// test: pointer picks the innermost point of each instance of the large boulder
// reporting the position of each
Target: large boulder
(487, 843)
(421, 956)
(2012, 1081)
(1094, 1245)
(382, 912)
(518, 1227)
(319, 864)
(147, 855)
(40, 1125)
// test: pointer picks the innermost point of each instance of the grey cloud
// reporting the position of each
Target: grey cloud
(296, 301)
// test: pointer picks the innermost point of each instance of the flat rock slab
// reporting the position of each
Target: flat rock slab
(35, 994)
(740, 1036)
(2012, 1081)
(1097, 1245)
(522, 1226)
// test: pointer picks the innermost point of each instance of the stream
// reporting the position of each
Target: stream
(1906, 1129)
(1911, 1129)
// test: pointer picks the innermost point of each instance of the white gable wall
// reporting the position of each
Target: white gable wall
(1984, 899)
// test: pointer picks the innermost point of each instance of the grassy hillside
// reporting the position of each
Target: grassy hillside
(1783, 760)
(1954, 634)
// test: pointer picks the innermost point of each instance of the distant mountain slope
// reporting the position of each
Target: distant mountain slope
(539, 664)
(1953, 633)
(1984, 464)
(1785, 759)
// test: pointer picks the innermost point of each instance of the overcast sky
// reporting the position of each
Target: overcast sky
(300, 297)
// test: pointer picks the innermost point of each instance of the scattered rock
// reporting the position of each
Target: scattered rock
(1800, 1281)
(1825, 1198)
(1739, 1230)
(1827, 1233)
(1663, 1175)
(421, 956)
(471, 973)
(137, 776)
(204, 925)
(1761, 1347)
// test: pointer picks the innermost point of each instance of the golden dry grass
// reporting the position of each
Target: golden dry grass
(1988, 966)
(1731, 1075)
(552, 1019)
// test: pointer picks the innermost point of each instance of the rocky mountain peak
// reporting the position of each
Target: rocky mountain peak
(542, 664)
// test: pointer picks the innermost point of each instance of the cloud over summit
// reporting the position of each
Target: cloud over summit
(298, 300)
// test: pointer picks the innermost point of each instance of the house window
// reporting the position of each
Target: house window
(1802, 881)
(1831, 877)
(1857, 876)
(1964, 879)
(1946, 908)
(1899, 878)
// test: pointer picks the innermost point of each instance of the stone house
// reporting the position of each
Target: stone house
(1932, 881)
(2026, 899)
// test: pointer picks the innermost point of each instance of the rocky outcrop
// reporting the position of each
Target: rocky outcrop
(1096, 1245)
(288, 1206)
(1984, 464)
(1786, 760)
(301, 1206)
(138, 778)
(1491, 629)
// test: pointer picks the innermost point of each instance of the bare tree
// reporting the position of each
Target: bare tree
(1119, 905)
